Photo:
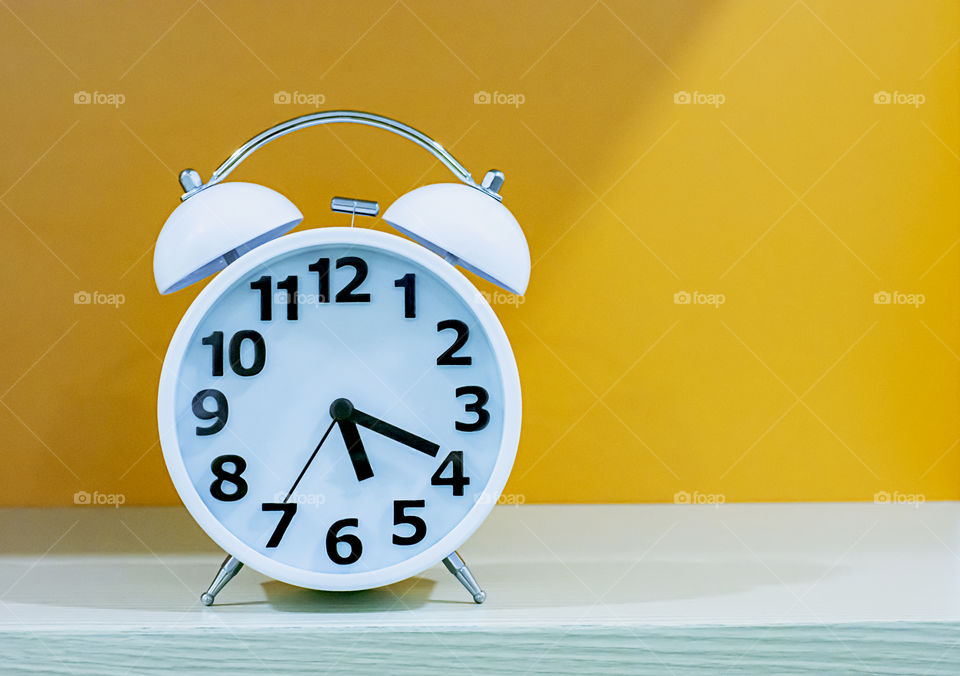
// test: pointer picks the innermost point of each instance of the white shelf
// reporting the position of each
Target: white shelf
(614, 589)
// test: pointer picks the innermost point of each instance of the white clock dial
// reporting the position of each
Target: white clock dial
(376, 348)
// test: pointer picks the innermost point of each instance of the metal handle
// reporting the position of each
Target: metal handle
(192, 184)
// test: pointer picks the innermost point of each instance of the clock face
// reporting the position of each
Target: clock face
(339, 409)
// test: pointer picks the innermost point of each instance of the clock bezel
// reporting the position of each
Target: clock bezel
(348, 580)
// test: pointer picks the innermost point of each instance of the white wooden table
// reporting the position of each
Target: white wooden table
(613, 589)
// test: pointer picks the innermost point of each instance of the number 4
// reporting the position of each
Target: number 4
(457, 480)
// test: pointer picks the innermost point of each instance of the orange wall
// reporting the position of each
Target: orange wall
(794, 197)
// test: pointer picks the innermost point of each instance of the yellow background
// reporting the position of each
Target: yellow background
(797, 199)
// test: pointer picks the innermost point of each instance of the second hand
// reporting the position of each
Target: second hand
(312, 456)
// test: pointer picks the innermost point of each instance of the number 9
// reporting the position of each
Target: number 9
(220, 413)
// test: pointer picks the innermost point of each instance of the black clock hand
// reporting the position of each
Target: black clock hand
(343, 410)
(395, 433)
(312, 456)
(358, 456)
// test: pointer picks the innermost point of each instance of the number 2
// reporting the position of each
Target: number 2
(463, 332)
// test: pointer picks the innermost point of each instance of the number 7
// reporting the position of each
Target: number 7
(288, 509)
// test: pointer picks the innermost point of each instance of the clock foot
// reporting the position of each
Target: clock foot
(459, 569)
(228, 569)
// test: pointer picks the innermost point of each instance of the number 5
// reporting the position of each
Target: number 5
(401, 517)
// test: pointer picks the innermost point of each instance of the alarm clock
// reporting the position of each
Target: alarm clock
(340, 408)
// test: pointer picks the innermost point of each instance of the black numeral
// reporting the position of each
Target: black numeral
(259, 353)
(409, 284)
(347, 295)
(290, 286)
(448, 358)
(264, 285)
(288, 509)
(456, 480)
(228, 476)
(483, 415)
(322, 268)
(351, 540)
(215, 341)
(400, 517)
(220, 413)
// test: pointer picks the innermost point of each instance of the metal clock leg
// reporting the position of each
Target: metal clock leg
(459, 569)
(230, 567)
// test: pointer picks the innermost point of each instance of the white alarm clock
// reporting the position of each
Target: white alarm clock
(340, 408)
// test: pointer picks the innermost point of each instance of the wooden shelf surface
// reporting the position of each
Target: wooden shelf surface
(759, 588)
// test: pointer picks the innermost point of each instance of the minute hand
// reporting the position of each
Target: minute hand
(393, 432)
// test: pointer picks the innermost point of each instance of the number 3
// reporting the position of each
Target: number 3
(483, 415)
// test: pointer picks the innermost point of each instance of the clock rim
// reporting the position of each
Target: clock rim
(355, 580)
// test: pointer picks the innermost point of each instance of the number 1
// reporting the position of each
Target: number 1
(409, 284)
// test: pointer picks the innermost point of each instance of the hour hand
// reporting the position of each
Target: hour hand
(358, 456)
(343, 410)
